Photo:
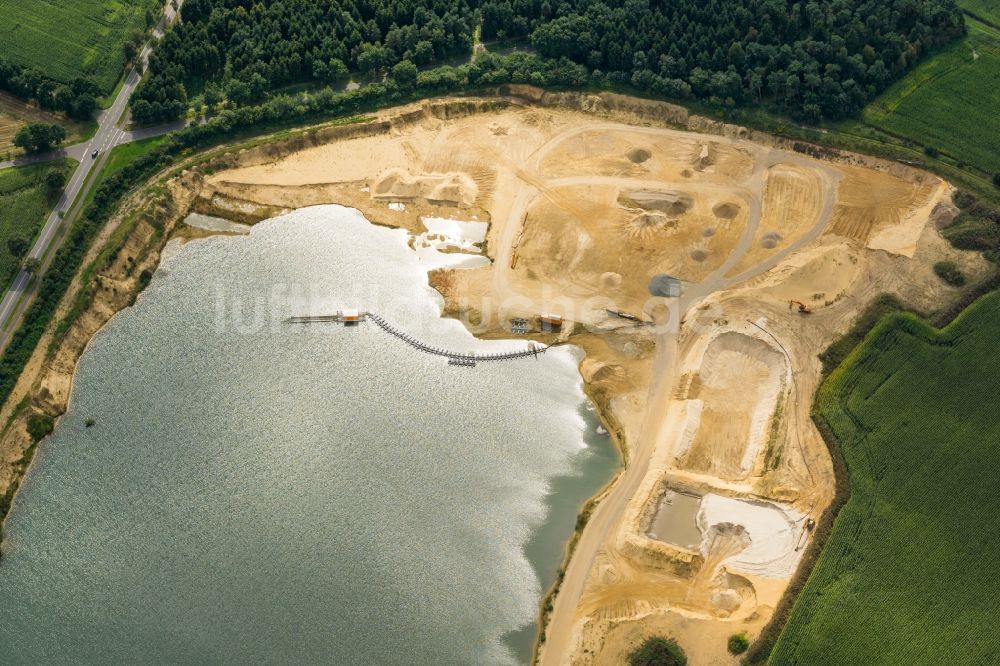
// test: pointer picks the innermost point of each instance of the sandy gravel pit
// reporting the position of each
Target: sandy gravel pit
(710, 389)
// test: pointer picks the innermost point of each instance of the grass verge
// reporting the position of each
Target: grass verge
(119, 158)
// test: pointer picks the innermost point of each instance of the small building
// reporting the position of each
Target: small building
(518, 325)
(551, 322)
(350, 316)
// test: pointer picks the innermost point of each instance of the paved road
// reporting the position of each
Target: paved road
(80, 150)
(108, 135)
(76, 151)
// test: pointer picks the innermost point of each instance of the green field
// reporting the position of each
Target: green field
(986, 10)
(119, 158)
(908, 576)
(951, 101)
(70, 38)
(24, 205)
(123, 155)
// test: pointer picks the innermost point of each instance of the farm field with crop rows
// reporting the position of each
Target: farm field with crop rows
(907, 575)
(986, 10)
(950, 101)
(71, 38)
(24, 205)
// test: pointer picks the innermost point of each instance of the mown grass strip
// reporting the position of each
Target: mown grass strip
(987, 11)
(950, 101)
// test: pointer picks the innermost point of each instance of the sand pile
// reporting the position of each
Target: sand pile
(772, 531)
(645, 226)
(666, 201)
(726, 211)
(453, 189)
(639, 155)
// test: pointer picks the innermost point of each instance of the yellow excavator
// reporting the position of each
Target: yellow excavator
(803, 308)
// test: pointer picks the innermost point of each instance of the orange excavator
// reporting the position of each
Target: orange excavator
(803, 308)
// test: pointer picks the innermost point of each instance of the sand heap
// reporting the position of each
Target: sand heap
(453, 189)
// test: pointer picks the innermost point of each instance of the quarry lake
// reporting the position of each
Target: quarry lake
(253, 491)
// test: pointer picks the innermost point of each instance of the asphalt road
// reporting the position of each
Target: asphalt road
(109, 134)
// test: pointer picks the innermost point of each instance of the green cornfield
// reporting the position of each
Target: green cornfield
(951, 101)
(70, 38)
(985, 10)
(908, 576)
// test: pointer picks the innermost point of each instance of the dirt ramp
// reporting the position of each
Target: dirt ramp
(668, 202)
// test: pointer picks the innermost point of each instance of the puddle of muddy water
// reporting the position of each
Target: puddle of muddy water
(675, 521)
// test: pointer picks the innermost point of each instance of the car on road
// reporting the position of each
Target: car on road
(93, 155)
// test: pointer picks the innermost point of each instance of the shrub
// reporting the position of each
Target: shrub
(17, 247)
(40, 425)
(658, 651)
(996, 179)
(55, 180)
(32, 264)
(36, 137)
(963, 199)
(950, 273)
(931, 151)
(971, 232)
(738, 643)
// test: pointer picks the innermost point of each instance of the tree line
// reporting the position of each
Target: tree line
(38, 137)
(77, 99)
(809, 59)
(240, 51)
